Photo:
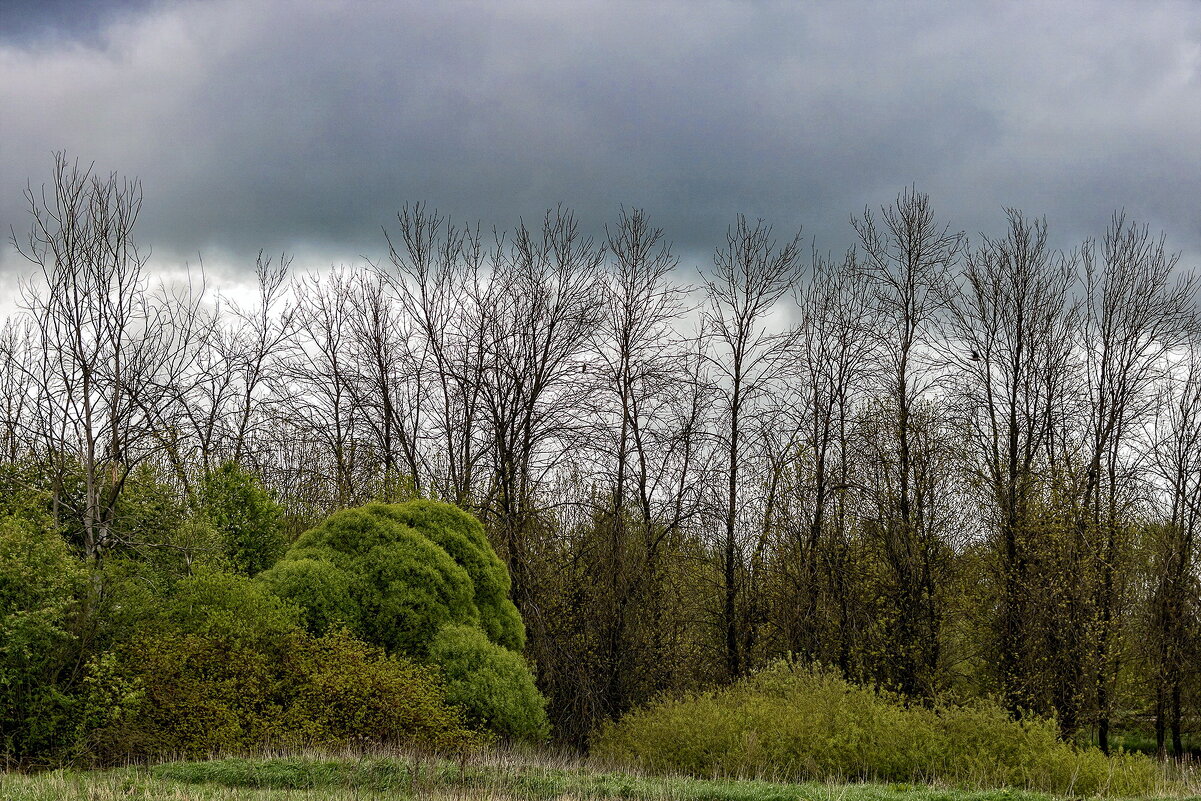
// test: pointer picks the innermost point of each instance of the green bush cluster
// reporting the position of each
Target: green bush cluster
(184, 639)
(420, 580)
(248, 519)
(39, 587)
(185, 695)
(225, 667)
(794, 723)
(492, 684)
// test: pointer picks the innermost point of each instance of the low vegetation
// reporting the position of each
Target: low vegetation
(494, 775)
(146, 659)
(797, 723)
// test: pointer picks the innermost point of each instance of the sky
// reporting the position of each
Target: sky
(303, 126)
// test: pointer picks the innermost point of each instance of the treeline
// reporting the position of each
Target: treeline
(947, 468)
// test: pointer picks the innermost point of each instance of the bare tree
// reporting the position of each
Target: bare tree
(390, 386)
(1176, 464)
(18, 412)
(114, 353)
(544, 305)
(1137, 314)
(436, 272)
(238, 369)
(908, 258)
(834, 354)
(634, 367)
(321, 402)
(751, 273)
(1010, 357)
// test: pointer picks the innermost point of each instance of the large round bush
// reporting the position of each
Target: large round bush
(421, 580)
(386, 580)
(463, 538)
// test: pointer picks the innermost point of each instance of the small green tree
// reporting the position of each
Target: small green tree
(154, 528)
(248, 518)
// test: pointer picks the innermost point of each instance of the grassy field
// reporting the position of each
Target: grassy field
(497, 776)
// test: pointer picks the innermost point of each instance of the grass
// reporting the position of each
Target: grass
(488, 776)
(1144, 742)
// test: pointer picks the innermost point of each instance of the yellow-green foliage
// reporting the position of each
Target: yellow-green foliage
(383, 579)
(39, 583)
(796, 723)
(222, 664)
(463, 538)
(492, 684)
(229, 606)
(187, 695)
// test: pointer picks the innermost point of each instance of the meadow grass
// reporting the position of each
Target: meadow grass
(492, 775)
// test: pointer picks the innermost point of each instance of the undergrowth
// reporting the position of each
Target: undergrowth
(795, 723)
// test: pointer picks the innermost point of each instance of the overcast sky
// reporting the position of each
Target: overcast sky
(304, 126)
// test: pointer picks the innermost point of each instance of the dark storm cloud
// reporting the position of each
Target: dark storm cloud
(23, 22)
(306, 125)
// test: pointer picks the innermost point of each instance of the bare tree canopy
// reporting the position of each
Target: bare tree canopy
(950, 469)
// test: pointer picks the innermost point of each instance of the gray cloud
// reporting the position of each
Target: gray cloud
(46, 22)
(304, 126)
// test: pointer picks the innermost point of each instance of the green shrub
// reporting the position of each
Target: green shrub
(796, 723)
(39, 585)
(229, 606)
(401, 587)
(248, 518)
(420, 580)
(463, 538)
(154, 531)
(494, 685)
(185, 695)
(320, 588)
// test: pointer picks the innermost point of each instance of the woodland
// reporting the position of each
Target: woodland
(949, 469)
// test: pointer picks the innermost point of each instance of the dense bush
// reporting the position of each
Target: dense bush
(156, 535)
(227, 606)
(248, 519)
(421, 580)
(795, 723)
(183, 694)
(463, 538)
(319, 588)
(386, 581)
(492, 684)
(39, 585)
